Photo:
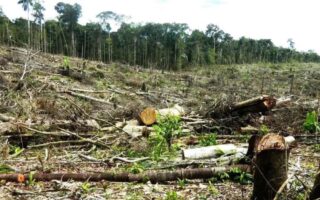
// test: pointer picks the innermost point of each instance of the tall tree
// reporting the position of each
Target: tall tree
(105, 18)
(38, 19)
(26, 4)
(69, 16)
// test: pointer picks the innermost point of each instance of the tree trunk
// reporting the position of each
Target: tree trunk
(315, 193)
(153, 176)
(271, 167)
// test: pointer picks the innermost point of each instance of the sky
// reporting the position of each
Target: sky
(277, 20)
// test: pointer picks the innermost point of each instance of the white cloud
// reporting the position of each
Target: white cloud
(274, 19)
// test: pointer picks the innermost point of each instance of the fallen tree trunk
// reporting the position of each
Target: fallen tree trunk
(211, 151)
(153, 176)
(257, 104)
(271, 166)
(148, 116)
(315, 193)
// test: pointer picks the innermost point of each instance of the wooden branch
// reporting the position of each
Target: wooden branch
(58, 143)
(257, 104)
(6, 118)
(153, 176)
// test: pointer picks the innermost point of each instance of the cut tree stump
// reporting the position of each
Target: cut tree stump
(270, 166)
(315, 193)
(148, 116)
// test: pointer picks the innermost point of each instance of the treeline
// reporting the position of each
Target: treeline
(165, 46)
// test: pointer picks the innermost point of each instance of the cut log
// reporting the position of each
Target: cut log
(257, 104)
(211, 151)
(315, 193)
(148, 116)
(176, 110)
(271, 166)
(152, 176)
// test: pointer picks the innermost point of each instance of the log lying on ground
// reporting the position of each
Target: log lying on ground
(271, 166)
(258, 104)
(315, 193)
(211, 151)
(176, 110)
(153, 176)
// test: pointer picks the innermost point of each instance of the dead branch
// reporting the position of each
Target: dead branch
(153, 176)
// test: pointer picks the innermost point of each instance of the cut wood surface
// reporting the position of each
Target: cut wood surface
(153, 176)
(148, 116)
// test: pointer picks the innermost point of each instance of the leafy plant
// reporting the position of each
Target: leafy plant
(172, 195)
(264, 129)
(239, 176)
(167, 128)
(136, 168)
(86, 187)
(31, 181)
(311, 123)
(66, 62)
(182, 182)
(208, 140)
(213, 190)
(316, 148)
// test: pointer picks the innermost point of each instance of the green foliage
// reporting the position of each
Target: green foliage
(264, 129)
(311, 123)
(167, 128)
(136, 168)
(31, 181)
(182, 183)
(86, 187)
(239, 176)
(316, 148)
(213, 190)
(4, 169)
(208, 140)
(172, 195)
(66, 62)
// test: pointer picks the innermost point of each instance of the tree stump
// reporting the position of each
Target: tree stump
(315, 193)
(270, 168)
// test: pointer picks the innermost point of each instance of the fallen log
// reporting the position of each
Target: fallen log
(152, 176)
(315, 192)
(257, 104)
(211, 151)
(176, 110)
(270, 166)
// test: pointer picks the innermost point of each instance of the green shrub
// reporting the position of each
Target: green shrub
(311, 123)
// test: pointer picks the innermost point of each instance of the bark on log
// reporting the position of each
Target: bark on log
(153, 176)
(148, 116)
(315, 193)
(257, 104)
(271, 168)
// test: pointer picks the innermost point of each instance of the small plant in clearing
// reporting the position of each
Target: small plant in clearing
(311, 123)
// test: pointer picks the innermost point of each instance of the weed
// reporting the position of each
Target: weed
(316, 148)
(136, 168)
(264, 129)
(31, 181)
(311, 123)
(182, 183)
(239, 176)
(213, 190)
(86, 187)
(208, 140)
(172, 195)
(167, 128)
